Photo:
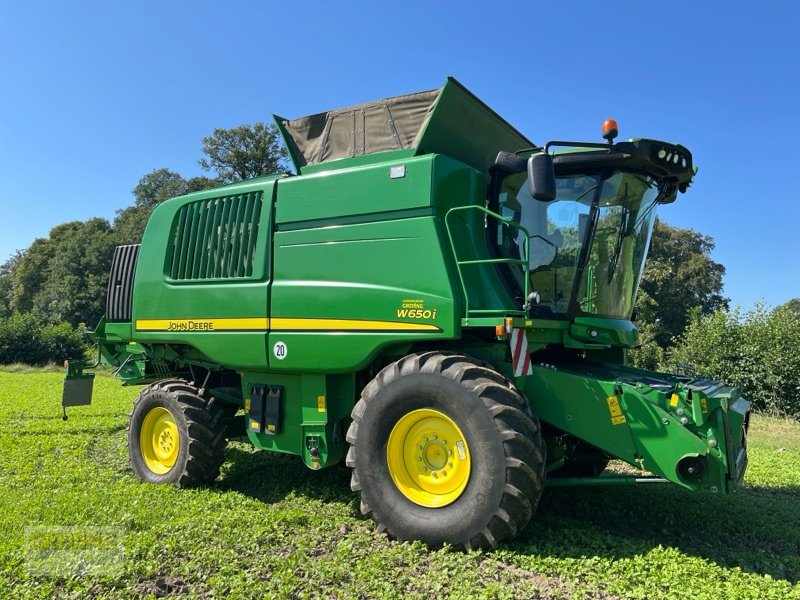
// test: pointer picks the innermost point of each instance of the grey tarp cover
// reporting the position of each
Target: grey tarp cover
(449, 120)
(389, 124)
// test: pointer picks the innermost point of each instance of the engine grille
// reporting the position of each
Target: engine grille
(215, 238)
(120, 284)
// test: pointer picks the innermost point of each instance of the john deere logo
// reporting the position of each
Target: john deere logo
(191, 326)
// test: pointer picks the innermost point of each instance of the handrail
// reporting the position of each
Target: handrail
(505, 222)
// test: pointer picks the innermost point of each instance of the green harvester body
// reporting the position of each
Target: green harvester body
(398, 235)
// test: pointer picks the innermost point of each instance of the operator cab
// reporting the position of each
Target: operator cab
(588, 234)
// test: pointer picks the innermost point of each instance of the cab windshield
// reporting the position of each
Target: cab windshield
(587, 247)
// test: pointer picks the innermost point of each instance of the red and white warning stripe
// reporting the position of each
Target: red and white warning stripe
(520, 356)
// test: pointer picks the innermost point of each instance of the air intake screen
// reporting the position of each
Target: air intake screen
(120, 283)
(215, 238)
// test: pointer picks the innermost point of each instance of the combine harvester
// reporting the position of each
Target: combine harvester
(433, 299)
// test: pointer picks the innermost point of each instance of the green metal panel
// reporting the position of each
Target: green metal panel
(461, 126)
(118, 332)
(365, 190)
(642, 417)
(203, 272)
(584, 333)
(361, 260)
(359, 161)
(578, 404)
(312, 408)
(340, 294)
(598, 331)
(382, 271)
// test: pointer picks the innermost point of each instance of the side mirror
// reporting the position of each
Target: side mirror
(509, 163)
(542, 177)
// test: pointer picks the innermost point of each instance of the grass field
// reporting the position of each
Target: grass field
(272, 528)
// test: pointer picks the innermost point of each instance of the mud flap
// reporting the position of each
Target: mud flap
(78, 387)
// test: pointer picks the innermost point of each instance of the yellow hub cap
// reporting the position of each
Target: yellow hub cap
(159, 440)
(428, 458)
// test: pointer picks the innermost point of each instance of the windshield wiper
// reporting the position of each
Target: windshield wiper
(621, 235)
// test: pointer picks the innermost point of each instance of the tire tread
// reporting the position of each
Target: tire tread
(517, 427)
(206, 422)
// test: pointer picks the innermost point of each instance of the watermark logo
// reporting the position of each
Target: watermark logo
(71, 551)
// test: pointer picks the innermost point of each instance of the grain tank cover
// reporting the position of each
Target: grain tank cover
(449, 120)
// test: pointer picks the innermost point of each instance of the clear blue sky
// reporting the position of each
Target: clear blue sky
(93, 95)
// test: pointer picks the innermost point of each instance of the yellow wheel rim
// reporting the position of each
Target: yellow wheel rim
(428, 458)
(159, 440)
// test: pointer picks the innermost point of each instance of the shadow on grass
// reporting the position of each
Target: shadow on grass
(270, 477)
(755, 529)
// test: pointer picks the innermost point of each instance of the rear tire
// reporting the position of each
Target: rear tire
(175, 435)
(486, 490)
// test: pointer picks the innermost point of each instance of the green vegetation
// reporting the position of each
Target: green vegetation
(24, 339)
(244, 152)
(758, 350)
(62, 277)
(270, 527)
(680, 279)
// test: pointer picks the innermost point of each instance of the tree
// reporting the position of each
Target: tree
(757, 350)
(680, 279)
(7, 283)
(63, 277)
(153, 189)
(77, 274)
(244, 152)
(30, 273)
(792, 307)
(157, 186)
(129, 224)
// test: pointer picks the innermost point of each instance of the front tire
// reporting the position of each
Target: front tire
(444, 449)
(176, 435)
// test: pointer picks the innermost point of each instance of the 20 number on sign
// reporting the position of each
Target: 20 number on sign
(279, 350)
